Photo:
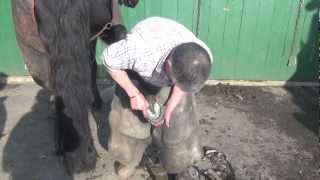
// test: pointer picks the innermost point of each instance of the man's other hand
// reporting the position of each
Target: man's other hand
(139, 102)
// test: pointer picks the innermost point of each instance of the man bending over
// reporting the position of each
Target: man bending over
(163, 53)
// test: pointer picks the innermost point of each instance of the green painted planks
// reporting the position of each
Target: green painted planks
(305, 49)
(274, 58)
(184, 11)
(261, 39)
(10, 56)
(211, 29)
(250, 39)
(287, 69)
(131, 16)
(231, 32)
(253, 40)
(248, 29)
(187, 13)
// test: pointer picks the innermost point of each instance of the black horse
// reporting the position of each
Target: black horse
(58, 41)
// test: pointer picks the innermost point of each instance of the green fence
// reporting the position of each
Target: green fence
(250, 39)
(11, 62)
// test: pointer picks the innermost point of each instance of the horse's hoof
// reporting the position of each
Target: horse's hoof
(80, 160)
(123, 171)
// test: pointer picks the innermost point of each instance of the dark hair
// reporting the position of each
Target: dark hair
(190, 66)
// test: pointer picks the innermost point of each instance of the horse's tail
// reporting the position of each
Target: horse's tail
(71, 80)
(64, 28)
(72, 85)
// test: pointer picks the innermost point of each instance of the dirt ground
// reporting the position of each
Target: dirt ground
(267, 133)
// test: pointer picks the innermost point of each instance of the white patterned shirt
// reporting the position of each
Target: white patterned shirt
(146, 48)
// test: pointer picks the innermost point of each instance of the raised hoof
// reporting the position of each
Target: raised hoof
(80, 160)
(123, 171)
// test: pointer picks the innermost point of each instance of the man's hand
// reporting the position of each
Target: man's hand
(139, 102)
(167, 116)
(175, 98)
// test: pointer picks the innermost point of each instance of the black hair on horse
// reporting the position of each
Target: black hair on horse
(65, 28)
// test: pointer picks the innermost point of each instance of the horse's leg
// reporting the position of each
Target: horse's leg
(97, 103)
(34, 54)
(180, 144)
(69, 143)
(129, 136)
(66, 136)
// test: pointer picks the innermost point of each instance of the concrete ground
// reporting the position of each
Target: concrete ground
(266, 133)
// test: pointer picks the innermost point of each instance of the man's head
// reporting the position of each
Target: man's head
(189, 66)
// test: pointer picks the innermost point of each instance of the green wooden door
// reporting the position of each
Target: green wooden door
(250, 39)
(261, 39)
(11, 62)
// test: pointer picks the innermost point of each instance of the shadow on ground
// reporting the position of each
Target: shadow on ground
(29, 151)
(307, 70)
(307, 98)
(3, 111)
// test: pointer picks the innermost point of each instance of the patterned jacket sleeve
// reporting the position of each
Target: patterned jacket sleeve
(117, 56)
